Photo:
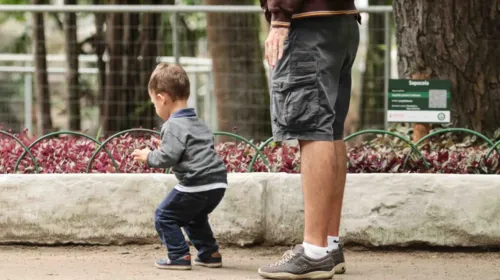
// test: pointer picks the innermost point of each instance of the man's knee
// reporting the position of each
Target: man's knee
(316, 145)
(316, 151)
(340, 149)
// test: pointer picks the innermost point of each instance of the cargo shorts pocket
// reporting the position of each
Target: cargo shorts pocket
(295, 103)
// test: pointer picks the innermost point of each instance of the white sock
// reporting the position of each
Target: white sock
(313, 251)
(333, 243)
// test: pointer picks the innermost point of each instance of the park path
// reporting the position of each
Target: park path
(136, 262)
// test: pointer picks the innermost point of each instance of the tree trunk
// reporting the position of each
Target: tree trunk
(148, 52)
(455, 40)
(372, 102)
(130, 69)
(100, 48)
(41, 75)
(240, 81)
(114, 97)
(72, 52)
(420, 130)
(190, 42)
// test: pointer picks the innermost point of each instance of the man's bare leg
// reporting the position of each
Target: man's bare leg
(340, 155)
(311, 260)
(318, 168)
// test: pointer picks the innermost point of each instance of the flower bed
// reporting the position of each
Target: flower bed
(68, 154)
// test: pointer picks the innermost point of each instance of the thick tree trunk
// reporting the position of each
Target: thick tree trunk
(455, 40)
(240, 82)
(100, 48)
(114, 96)
(420, 130)
(72, 84)
(41, 75)
(190, 42)
(372, 102)
(130, 73)
(149, 52)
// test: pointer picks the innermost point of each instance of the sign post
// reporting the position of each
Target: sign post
(419, 101)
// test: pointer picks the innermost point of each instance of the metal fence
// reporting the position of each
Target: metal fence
(225, 96)
(492, 147)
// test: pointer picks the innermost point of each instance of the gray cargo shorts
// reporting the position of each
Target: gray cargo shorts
(311, 83)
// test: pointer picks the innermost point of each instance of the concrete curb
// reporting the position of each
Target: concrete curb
(259, 208)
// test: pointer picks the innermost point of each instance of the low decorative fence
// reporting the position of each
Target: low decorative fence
(484, 161)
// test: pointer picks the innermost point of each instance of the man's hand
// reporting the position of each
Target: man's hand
(141, 155)
(274, 44)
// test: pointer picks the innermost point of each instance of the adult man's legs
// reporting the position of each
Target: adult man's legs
(317, 168)
(311, 259)
(313, 166)
(305, 87)
(340, 175)
(340, 155)
(334, 223)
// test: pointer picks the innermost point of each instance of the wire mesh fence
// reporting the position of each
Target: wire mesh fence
(86, 68)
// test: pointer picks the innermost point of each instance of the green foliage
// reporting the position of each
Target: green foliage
(20, 44)
(14, 2)
(16, 16)
(191, 2)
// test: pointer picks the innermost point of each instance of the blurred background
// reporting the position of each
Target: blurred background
(88, 71)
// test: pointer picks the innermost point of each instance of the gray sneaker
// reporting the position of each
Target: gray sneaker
(296, 265)
(338, 260)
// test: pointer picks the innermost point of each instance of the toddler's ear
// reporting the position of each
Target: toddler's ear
(162, 98)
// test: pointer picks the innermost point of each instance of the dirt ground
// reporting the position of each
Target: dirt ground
(136, 262)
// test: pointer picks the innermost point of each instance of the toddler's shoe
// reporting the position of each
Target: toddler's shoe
(182, 263)
(214, 261)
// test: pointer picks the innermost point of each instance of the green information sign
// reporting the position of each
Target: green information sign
(422, 101)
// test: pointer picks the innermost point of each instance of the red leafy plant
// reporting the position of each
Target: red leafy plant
(70, 154)
(445, 153)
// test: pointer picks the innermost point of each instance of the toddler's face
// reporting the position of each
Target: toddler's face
(162, 103)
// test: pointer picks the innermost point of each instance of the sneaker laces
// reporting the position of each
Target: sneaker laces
(287, 257)
(288, 252)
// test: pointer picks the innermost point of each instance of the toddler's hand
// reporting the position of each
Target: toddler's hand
(141, 155)
(156, 142)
